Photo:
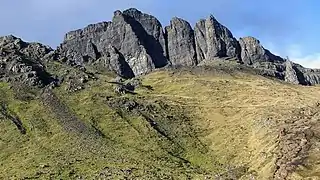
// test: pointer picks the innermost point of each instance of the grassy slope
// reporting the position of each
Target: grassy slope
(241, 115)
(207, 124)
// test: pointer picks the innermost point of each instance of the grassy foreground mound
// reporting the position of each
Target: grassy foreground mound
(176, 124)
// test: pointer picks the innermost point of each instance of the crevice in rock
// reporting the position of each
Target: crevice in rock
(166, 41)
(96, 52)
(195, 56)
(126, 70)
(223, 50)
(238, 52)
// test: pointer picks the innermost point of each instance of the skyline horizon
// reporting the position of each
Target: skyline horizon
(276, 33)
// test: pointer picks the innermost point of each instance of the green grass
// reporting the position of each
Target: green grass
(48, 151)
(188, 126)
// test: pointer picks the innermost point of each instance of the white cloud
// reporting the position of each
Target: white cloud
(309, 61)
(297, 55)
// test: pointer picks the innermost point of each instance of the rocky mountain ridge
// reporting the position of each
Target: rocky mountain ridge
(202, 111)
(135, 43)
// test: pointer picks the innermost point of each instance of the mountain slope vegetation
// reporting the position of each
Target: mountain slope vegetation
(131, 99)
(206, 122)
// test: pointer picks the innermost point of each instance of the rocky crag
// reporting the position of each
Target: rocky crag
(135, 43)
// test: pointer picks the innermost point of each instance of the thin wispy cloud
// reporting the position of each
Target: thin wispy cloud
(307, 60)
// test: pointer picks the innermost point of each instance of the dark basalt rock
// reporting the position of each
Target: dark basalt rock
(214, 40)
(291, 74)
(180, 43)
(307, 76)
(136, 37)
(134, 43)
(23, 62)
(149, 31)
(252, 52)
(80, 46)
(114, 61)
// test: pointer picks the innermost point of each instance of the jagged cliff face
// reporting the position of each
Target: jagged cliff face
(181, 43)
(136, 38)
(213, 118)
(253, 52)
(214, 40)
(135, 43)
(21, 61)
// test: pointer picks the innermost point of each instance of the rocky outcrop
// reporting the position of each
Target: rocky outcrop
(180, 43)
(290, 74)
(256, 56)
(307, 76)
(149, 30)
(136, 37)
(253, 52)
(134, 43)
(214, 40)
(138, 45)
(80, 46)
(115, 61)
(276, 70)
(22, 62)
(311, 77)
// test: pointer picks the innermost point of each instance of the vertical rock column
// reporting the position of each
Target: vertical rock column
(180, 43)
(214, 40)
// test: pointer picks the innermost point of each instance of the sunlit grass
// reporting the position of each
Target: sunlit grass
(214, 123)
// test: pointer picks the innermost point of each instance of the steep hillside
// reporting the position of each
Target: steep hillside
(129, 99)
(206, 122)
(267, 126)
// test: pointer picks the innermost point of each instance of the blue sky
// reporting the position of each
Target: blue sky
(286, 27)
